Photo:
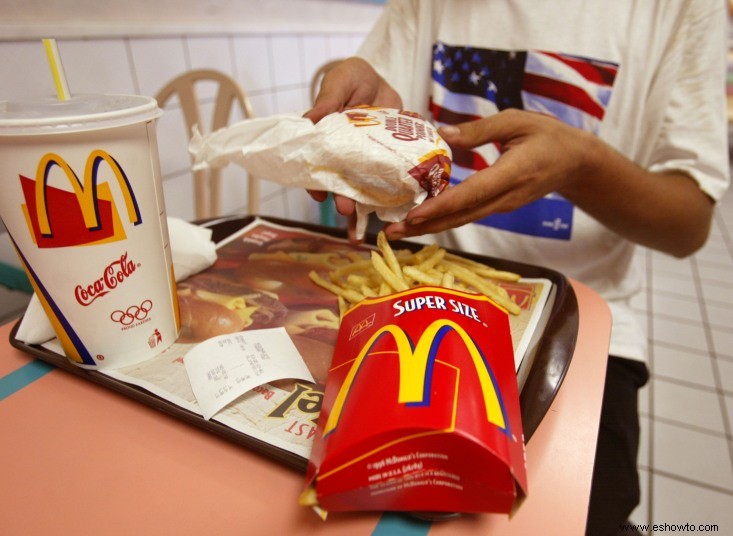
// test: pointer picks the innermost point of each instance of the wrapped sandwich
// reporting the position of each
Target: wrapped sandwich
(388, 161)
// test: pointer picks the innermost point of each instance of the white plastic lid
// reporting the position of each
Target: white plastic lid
(49, 115)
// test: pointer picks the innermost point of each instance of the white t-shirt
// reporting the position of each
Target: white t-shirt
(646, 76)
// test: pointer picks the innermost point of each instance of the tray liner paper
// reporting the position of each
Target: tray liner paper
(421, 408)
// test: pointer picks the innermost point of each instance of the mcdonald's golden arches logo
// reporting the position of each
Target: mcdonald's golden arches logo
(360, 118)
(416, 371)
(84, 216)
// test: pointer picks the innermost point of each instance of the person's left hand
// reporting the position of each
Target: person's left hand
(540, 155)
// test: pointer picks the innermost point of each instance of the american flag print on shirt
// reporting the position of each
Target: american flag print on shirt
(470, 83)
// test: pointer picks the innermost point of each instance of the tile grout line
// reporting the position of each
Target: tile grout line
(689, 427)
(650, 336)
(688, 384)
(690, 481)
(713, 361)
(689, 349)
(724, 233)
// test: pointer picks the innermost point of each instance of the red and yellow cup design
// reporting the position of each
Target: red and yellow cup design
(83, 204)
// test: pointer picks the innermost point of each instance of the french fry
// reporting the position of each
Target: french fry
(356, 266)
(384, 289)
(483, 269)
(390, 259)
(343, 306)
(492, 290)
(420, 276)
(419, 256)
(357, 280)
(405, 256)
(388, 270)
(448, 280)
(347, 294)
(369, 292)
(308, 497)
(354, 256)
(394, 281)
(432, 260)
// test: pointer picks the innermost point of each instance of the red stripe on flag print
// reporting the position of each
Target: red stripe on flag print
(591, 70)
(469, 159)
(443, 115)
(563, 92)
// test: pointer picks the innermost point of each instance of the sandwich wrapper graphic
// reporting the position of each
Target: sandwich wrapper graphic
(386, 160)
(421, 409)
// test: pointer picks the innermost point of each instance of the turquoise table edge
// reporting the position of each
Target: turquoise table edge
(396, 524)
(22, 377)
(14, 278)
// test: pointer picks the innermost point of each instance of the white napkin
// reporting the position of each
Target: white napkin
(191, 248)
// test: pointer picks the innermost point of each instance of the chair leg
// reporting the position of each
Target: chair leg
(214, 192)
(253, 196)
(200, 194)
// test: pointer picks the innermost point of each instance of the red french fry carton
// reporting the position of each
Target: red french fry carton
(421, 409)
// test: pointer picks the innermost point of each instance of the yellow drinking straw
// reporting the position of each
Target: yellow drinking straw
(57, 70)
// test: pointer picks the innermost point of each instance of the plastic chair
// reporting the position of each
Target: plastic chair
(207, 183)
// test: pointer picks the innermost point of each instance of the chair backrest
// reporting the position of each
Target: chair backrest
(207, 183)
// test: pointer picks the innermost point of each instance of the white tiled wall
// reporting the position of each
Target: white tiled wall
(275, 69)
(686, 454)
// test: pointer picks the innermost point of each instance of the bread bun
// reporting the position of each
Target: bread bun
(201, 320)
(203, 302)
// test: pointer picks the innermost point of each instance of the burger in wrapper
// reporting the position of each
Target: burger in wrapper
(386, 160)
(421, 409)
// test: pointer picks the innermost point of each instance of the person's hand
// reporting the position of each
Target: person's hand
(540, 155)
(345, 207)
(352, 82)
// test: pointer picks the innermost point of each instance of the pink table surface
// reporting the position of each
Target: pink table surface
(80, 459)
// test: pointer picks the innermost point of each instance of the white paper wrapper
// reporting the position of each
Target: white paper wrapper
(386, 160)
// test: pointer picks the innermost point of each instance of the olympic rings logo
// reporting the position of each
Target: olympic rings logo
(132, 313)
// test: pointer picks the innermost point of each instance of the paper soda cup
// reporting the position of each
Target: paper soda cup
(82, 200)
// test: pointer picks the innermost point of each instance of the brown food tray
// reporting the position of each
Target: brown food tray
(551, 359)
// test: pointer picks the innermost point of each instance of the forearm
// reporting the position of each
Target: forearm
(540, 155)
(664, 211)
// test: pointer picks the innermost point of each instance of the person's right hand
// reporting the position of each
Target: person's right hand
(352, 82)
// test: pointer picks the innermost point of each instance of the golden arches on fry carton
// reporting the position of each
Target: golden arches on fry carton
(420, 359)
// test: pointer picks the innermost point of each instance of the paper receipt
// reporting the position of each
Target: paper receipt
(223, 368)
